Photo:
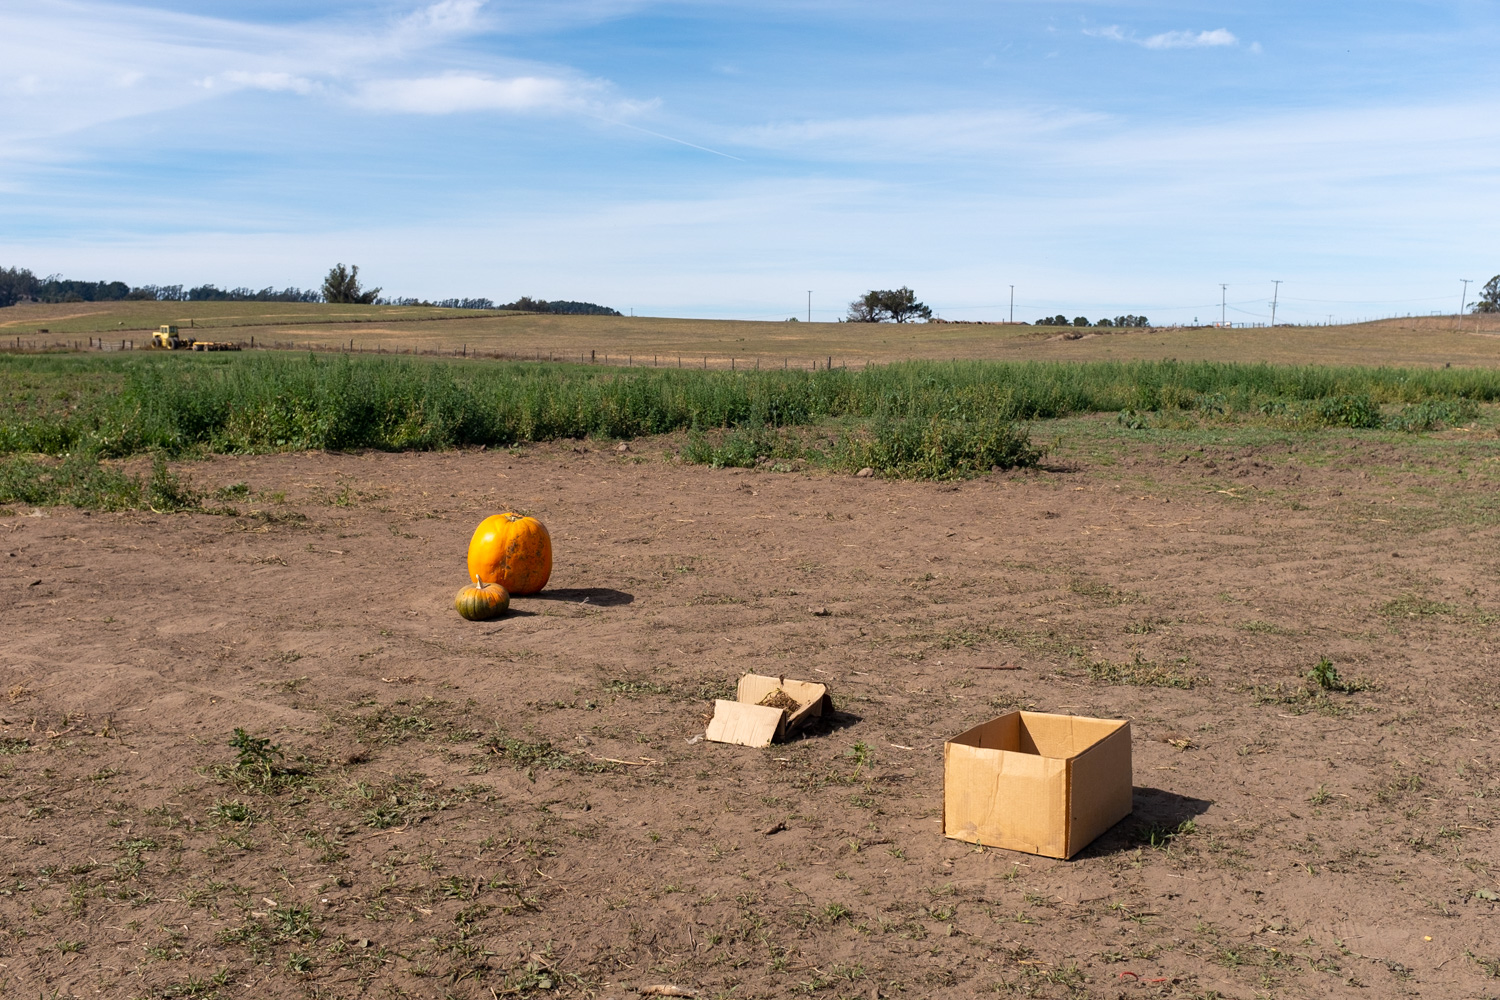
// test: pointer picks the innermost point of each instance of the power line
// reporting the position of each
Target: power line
(1464, 298)
(1275, 294)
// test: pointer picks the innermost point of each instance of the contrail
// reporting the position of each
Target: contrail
(683, 142)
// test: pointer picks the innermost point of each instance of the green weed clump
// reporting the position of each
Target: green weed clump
(1326, 676)
(257, 765)
(81, 481)
(937, 448)
(747, 447)
(1355, 410)
(1432, 415)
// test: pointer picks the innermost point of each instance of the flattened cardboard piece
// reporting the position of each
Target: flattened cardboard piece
(1034, 782)
(748, 725)
(745, 721)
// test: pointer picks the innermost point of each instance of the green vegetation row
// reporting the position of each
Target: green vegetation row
(917, 418)
(260, 402)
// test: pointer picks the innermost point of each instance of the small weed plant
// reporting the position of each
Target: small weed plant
(1326, 676)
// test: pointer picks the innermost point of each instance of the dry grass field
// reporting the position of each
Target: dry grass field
(1427, 341)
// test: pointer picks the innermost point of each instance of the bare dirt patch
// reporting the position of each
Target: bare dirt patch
(423, 806)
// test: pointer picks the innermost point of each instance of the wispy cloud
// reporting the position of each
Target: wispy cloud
(457, 92)
(67, 65)
(263, 80)
(915, 137)
(1216, 38)
(1191, 40)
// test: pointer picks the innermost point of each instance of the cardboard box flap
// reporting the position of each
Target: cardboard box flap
(755, 688)
(746, 725)
(1002, 733)
(1062, 736)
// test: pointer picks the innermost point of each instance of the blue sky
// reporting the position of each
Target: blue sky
(722, 159)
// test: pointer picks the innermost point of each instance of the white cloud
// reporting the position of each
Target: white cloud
(453, 93)
(264, 80)
(1217, 38)
(446, 17)
(1191, 40)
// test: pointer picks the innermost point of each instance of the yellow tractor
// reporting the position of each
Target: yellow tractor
(168, 337)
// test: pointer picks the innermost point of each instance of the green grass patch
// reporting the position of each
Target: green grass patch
(1140, 672)
(1411, 606)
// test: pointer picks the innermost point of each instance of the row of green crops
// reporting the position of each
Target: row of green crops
(259, 402)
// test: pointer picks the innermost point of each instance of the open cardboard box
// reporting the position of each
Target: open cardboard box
(1034, 782)
(766, 709)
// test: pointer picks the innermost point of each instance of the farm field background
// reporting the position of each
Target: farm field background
(1284, 576)
(1424, 341)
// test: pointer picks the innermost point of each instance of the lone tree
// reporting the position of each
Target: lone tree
(897, 306)
(1489, 297)
(342, 286)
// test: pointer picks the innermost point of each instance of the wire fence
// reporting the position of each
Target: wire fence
(26, 345)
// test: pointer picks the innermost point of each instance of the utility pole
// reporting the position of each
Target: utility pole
(1223, 304)
(1012, 303)
(1276, 294)
(1464, 299)
(809, 305)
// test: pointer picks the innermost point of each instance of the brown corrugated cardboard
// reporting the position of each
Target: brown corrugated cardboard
(748, 722)
(1034, 782)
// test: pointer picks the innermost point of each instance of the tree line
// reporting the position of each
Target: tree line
(1060, 320)
(340, 286)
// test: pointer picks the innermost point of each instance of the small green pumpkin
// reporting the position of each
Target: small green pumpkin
(481, 601)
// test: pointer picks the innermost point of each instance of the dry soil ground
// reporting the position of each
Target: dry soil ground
(520, 807)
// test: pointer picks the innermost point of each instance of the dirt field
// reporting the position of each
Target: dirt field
(520, 807)
(1418, 342)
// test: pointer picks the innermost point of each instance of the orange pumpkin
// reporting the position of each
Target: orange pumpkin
(513, 551)
(480, 601)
